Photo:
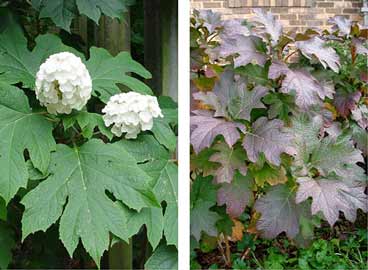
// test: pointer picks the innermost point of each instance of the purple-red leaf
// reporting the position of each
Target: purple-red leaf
(236, 195)
(205, 128)
(279, 212)
(267, 137)
(308, 90)
(342, 24)
(246, 50)
(316, 46)
(271, 25)
(331, 196)
(346, 102)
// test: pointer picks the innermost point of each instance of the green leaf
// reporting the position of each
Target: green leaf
(94, 8)
(79, 178)
(164, 134)
(106, 71)
(202, 162)
(87, 122)
(152, 218)
(7, 243)
(155, 160)
(61, 12)
(254, 73)
(270, 174)
(164, 257)
(21, 129)
(202, 198)
(17, 63)
(231, 159)
(280, 105)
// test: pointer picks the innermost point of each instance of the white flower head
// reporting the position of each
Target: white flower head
(131, 113)
(63, 83)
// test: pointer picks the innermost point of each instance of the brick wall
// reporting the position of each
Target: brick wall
(299, 14)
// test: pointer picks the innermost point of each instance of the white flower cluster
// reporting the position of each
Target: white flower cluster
(63, 83)
(130, 113)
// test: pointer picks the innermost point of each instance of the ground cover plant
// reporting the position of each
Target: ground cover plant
(87, 152)
(279, 140)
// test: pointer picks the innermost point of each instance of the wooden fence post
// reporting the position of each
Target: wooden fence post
(161, 45)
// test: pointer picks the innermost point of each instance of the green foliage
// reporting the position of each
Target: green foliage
(69, 188)
(62, 12)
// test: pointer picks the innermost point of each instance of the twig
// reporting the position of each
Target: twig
(246, 252)
(288, 56)
(228, 252)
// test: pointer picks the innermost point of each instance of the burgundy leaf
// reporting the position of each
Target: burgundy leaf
(342, 24)
(331, 196)
(271, 25)
(246, 50)
(205, 128)
(236, 195)
(316, 46)
(279, 212)
(346, 102)
(267, 137)
(308, 90)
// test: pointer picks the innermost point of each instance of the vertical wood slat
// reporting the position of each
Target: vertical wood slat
(161, 45)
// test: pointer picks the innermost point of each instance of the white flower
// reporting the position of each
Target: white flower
(130, 113)
(63, 83)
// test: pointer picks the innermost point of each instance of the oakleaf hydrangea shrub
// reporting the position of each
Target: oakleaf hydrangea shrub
(278, 125)
(65, 168)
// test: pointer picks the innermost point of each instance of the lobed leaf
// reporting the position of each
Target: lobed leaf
(89, 214)
(21, 129)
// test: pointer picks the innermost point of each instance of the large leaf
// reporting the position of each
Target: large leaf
(236, 195)
(7, 243)
(164, 258)
(267, 137)
(79, 179)
(17, 63)
(279, 212)
(61, 12)
(21, 129)
(205, 128)
(244, 49)
(202, 198)
(317, 47)
(342, 24)
(308, 90)
(341, 154)
(164, 134)
(231, 159)
(155, 160)
(94, 8)
(152, 218)
(331, 196)
(241, 106)
(106, 71)
(272, 27)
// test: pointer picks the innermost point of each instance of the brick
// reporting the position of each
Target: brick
(307, 17)
(288, 17)
(351, 10)
(326, 5)
(211, 5)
